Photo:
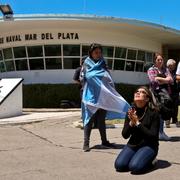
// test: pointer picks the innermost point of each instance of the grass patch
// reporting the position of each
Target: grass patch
(121, 121)
(114, 121)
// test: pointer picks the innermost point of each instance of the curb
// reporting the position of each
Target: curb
(36, 117)
(51, 110)
(79, 124)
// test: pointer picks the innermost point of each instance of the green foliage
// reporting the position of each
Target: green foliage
(51, 95)
(126, 91)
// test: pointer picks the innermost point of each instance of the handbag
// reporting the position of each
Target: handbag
(165, 103)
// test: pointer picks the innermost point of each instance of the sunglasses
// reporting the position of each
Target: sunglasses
(142, 92)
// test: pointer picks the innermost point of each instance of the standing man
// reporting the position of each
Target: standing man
(171, 65)
(178, 81)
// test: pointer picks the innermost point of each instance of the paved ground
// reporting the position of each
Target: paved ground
(52, 150)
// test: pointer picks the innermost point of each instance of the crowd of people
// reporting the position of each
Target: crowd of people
(153, 107)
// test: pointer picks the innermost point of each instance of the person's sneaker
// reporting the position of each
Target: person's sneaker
(163, 137)
(154, 162)
(167, 123)
(108, 144)
(86, 147)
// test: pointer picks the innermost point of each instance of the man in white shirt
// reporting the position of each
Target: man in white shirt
(178, 84)
(178, 72)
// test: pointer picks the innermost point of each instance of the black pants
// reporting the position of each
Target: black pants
(175, 98)
(99, 116)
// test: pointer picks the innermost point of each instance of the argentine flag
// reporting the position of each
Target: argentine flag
(99, 92)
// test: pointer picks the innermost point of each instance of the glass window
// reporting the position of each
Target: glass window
(141, 55)
(85, 50)
(19, 52)
(119, 64)
(107, 51)
(71, 63)
(2, 67)
(9, 65)
(52, 50)
(1, 57)
(109, 63)
(130, 65)
(53, 63)
(120, 52)
(35, 51)
(131, 54)
(149, 57)
(7, 53)
(36, 64)
(139, 66)
(21, 65)
(71, 50)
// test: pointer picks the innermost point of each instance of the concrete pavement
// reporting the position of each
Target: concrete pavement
(51, 149)
(38, 115)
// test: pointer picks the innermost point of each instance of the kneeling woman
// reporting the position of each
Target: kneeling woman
(142, 126)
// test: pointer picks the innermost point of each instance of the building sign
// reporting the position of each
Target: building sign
(42, 36)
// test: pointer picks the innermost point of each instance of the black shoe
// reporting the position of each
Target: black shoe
(86, 148)
(154, 162)
(108, 144)
(177, 124)
(174, 120)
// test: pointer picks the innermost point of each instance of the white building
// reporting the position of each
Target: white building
(47, 48)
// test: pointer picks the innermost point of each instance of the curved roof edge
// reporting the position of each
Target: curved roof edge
(92, 17)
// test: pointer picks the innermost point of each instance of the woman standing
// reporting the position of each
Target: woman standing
(100, 99)
(160, 81)
(142, 127)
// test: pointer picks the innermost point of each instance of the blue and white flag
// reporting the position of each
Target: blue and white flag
(99, 92)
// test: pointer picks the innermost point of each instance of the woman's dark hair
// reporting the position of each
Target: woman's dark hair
(93, 47)
(152, 104)
(156, 55)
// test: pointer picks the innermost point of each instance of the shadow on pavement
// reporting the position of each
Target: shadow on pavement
(161, 164)
(115, 146)
(174, 138)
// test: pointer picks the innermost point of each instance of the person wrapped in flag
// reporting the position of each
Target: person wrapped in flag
(100, 100)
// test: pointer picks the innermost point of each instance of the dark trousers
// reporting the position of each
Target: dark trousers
(136, 161)
(99, 117)
(175, 98)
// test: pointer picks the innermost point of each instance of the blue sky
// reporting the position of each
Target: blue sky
(165, 12)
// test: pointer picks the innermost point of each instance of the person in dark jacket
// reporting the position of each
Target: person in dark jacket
(76, 76)
(142, 127)
(171, 65)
